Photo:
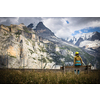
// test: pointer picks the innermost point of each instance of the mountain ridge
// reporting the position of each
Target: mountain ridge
(23, 47)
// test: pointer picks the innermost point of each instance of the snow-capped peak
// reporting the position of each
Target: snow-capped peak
(86, 36)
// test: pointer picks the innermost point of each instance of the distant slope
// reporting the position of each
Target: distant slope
(66, 49)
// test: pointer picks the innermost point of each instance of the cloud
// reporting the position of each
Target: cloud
(58, 25)
(62, 29)
(28, 20)
(18, 20)
(78, 23)
(8, 20)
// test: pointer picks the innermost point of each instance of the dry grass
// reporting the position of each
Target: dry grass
(47, 77)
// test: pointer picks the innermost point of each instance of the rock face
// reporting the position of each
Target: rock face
(71, 41)
(43, 31)
(30, 26)
(94, 37)
(2, 27)
(23, 47)
(79, 41)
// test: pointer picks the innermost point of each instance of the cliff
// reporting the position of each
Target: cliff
(21, 48)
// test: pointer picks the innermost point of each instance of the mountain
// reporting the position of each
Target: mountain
(30, 25)
(87, 40)
(95, 36)
(61, 43)
(79, 41)
(86, 36)
(43, 31)
(91, 42)
(71, 41)
(23, 47)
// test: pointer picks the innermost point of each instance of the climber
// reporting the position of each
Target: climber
(77, 61)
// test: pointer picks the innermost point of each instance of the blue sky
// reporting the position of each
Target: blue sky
(67, 21)
(88, 30)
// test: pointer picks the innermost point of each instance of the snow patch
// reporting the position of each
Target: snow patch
(90, 44)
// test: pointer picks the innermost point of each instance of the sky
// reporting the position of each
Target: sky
(63, 27)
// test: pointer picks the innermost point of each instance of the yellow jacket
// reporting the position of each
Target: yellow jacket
(78, 60)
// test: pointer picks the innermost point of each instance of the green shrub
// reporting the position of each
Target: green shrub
(31, 51)
(19, 29)
(43, 60)
(50, 60)
(18, 33)
(43, 50)
(5, 34)
(12, 56)
(9, 26)
(34, 58)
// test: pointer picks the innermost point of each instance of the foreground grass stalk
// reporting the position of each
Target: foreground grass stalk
(47, 77)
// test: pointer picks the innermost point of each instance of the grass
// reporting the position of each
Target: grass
(8, 76)
(26, 30)
(33, 43)
(43, 50)
(26, 42)
(19, 29)
(18, 33)
(62, 47)
(12, 56)
(73, 49)
(69, 58)
(9, 26)
(5, 34)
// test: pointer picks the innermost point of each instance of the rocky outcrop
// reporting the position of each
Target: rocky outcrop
(30, 25)
(2, 27)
